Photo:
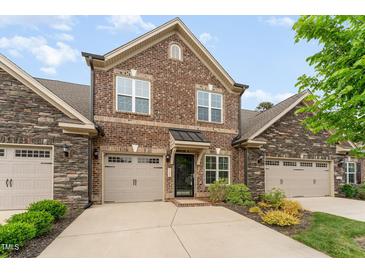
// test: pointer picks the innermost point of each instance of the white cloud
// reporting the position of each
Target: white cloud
(208, 39)
(50, 57)
(64, 37)
(253, 98)
(59, 22)
(134, 23)
(281, 21)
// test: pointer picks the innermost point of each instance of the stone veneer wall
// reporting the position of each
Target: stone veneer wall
(173, 91)
(289, 138)
(26, 118)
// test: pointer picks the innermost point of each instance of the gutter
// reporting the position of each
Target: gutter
(90, 56)
(90, 141)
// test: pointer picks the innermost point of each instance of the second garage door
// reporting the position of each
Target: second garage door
(303, 178)
(130, 178)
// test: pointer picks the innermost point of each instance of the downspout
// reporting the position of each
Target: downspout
(90, 141)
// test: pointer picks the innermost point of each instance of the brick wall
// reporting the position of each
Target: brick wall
(173, 92)
(26, 118)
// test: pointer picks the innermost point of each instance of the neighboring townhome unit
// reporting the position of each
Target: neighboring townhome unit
(44, 135)
(168, 113)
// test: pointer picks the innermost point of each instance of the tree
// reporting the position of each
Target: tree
(264, 106)
(338, 83)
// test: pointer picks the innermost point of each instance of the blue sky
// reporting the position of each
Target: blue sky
(255, 50)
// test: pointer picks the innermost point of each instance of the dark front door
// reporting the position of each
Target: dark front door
(184, 175)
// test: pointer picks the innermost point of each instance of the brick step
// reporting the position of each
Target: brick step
(189, 202)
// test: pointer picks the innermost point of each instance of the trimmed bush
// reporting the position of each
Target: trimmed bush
(15, 235)
(349, 190)
(280, 218)
(41, 220)
(361, 191)
(218, 191)
(255, 209)
(274, 198)
(55, 208)
(291, 207)
(239, 194)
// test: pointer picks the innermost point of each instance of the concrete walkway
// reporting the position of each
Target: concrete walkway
(6, 214)
(352, 209)
(160, 229)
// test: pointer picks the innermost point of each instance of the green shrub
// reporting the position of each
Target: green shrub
(280, 218)
(361, 191)
(239, 194)
(255, 209)
(349, 190)
(41, 220)
(291, 207)
(274, 198)
(55, 208)
(218, 191)
(15, 235)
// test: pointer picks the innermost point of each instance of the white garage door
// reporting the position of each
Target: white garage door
(25, 176)
(131, 178)
(298, 178)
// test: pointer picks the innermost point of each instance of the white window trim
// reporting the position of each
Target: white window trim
(217, 167)
(133, 95)
(354, 172)
(180, 52)
(209, 107)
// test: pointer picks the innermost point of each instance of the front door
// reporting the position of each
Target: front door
(184, 175)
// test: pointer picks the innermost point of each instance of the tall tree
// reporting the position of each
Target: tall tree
(338, 83)
(264, 106)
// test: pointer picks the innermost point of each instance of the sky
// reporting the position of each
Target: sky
(255, 50)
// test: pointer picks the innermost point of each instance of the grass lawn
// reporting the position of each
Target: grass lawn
(333, 235)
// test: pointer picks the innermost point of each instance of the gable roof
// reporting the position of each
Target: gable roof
(253, 123)
(76, 95)
(156, 35)
(42, 91)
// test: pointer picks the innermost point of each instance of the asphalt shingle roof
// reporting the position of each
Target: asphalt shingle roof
(76, 95)
(252, 121)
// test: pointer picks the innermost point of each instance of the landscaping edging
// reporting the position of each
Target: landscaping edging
(35, 246)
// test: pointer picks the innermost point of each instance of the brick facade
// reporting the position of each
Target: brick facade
(26, 118)
(173, 102)
(289, 138)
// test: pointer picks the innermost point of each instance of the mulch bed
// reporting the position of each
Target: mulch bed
(35, 246)
(305, 221)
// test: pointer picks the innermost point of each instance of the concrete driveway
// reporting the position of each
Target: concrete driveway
(352, 209)
(160, 229)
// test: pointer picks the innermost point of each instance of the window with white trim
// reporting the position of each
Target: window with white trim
(133, 95)
(2, 152)
(210, 106)
(175, 52)
(216, 167)
(350, 172)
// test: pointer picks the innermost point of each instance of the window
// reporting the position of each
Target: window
(350, 172)
(321, 164)
(272, 163)
(133, 95)
(148, 160)
(119, 159)
(209, 107)
(24, 153)
(175, 52)
(306, 164)
(2, 152)
(216, 167)
(287, 163)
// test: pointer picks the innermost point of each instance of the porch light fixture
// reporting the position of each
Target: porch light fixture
(66, 150)
(96, 154)
(260, 159)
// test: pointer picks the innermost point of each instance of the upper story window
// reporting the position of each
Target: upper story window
(210, 107)
(175, 52)
(133, 95)
(350, 172)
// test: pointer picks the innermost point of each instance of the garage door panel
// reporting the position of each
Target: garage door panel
(29, 171)
(132, 178)
(302, 178)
